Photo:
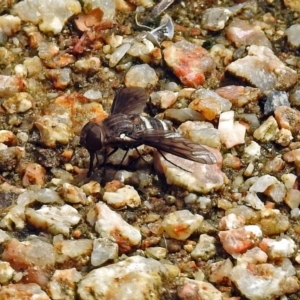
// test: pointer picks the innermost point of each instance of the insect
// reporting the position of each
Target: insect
(126, 128)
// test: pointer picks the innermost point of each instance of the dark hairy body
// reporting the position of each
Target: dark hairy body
(125, 128)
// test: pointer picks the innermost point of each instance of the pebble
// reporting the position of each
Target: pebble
(219, 271)
(8, 138)
(156, 252)
(73, 194)
(107, 7)
(200, 178)
(205, 248)
(263, 281)
(118, 54)
(19, 103)
(288, 118)
(10, 157)
(50, 17)
(189, 62)
(292, 34)
(273, 222)
(110, 224)
(10, 85)
(9, 24)
(295, 98)
(264, 70)
(134, 78)
(34, 257)
(34, 174)
(267, 131)
(53, 219)
(209, 103)
(239, 96)
(53, 132)
(72, 253)
(231, 221)
(181, 224)
(6, 273)
(123, 197)
(63, 284)
(196, 289)
(23, 291)
(274, 100)
(134, 278)
(243, 33)
(201, 132)
(215, 19)
(270, 186)
(104, 250)
(292, 198)
(232, 132)
(279, 249)
(163, 99)
(251, 199)
(253, 256)
(91, 188)
(239, 240)
(61, 78)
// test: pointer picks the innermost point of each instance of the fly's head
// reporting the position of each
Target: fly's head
(91, 137)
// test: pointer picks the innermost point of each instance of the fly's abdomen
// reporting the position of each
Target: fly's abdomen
(156, 124)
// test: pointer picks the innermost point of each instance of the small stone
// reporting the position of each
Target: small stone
(190, 63)
(52, 131)
(19, 103)
(181, 224)
(141, 76)
(73, 194)
(270, 186)
(72, 253)
(262, 69)
(9, 24)
(278, 249)
(220, 271)
(23, 291)
(109, 224)
(253, 256)
(104, 250)
(239, 240)
(209, 103)
(34, 257)
(156, 252)
(242, 32)
(196, 289)
(239, 96)
(10, 157)
(252, 150)
(63, 284)
(163, 99)
(53, 219)
(61, 78)
(8, 138)
(91, 188)
(284, 137)
(214, 19)
(118, 54)
(6, 273)
(231, 132)
(292, 198)
(273, 166)
(201, 132)
(123, 197)
(273, 222)
(205, 248)
(231, 221)
(134, 278)
(288, 118)
(201, 178)
(288, 180)
(267, 131)
(51, 17)
(33, 174)
(10, 85)
(263, 281)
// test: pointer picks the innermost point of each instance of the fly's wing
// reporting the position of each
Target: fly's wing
(172, 142)
(130, 100)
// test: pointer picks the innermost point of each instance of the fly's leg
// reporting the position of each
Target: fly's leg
(172, 162)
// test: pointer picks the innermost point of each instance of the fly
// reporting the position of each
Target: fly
(125, 128)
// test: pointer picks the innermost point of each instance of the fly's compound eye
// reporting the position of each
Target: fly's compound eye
(91, 136)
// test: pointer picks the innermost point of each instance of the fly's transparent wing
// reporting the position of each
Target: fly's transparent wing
(130, 100)
(174, 143)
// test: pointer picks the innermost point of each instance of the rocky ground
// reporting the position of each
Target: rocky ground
(154, 227)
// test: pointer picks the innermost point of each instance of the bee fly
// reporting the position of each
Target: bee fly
(125, 128)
